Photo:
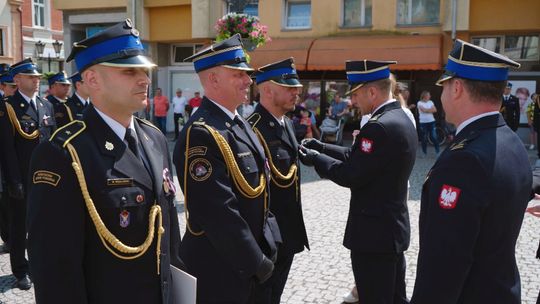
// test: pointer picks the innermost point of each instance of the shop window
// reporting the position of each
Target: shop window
(181, 52)
(516, 47)
(521, 47)
(357, 13)
(489, 43)
(297, 14)
(417, 12)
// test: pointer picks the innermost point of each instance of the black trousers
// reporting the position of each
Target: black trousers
(4, 217)
(17, 237)
(270, 291)
(176, 129)
(380, 278)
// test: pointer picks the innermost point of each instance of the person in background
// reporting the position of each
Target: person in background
(58, 93)
(523, 95)
(482, 180)
(195, 102)
(530, 121)
(510, 108)
(179, 107)
(161, 107)
(426, 109)
(27, 120)
(536, 119)
(80, 98)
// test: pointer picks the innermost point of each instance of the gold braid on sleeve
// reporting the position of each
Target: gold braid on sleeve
(111, 242)
(17, 125)
(238, 178)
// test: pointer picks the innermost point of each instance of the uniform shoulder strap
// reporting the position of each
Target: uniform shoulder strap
(254, 119)
(65, 134)
(146, 122)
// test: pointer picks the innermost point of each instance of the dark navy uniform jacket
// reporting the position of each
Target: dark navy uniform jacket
(62, 113)
(76, 106)
(376, 169)
(68, 261)
(228, 233)
(285, 195)
(473, 202)
(17, 150)
(510, 110)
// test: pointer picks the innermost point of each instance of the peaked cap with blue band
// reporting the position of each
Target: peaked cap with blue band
(118, 46)
(25, 67)
(228, 53)
(75, 78)
(472, 62)
(60, 77)
(362, 72)
(5, 75)
(282, 73)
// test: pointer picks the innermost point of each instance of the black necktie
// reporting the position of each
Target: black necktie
(131, 139)
(239, 121)
(33, 105)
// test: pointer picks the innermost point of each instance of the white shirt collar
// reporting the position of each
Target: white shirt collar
(382, 105)
(28, 98)
(84, 101)
(474, 118)
(117, 128)
(229, 113)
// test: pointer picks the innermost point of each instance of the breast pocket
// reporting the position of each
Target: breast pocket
(123, 208)
(248, 167)
(281, 158)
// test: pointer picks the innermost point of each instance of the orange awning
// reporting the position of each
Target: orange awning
(412, 52)
(279, 49)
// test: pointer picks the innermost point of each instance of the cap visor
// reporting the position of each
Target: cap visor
(138, 61)
(354, 88)
(290, 83)
(30, 73)
(63, 82)
(239, 66)
(444, 77)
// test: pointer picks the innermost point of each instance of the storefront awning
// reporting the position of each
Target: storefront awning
(412, 52)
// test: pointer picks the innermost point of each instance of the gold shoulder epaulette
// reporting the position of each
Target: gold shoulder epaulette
(254, 119)
(68, 132)
(199, 123)
(146, 122)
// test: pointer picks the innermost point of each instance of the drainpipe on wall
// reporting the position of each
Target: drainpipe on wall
(19, 9)
(454, 18)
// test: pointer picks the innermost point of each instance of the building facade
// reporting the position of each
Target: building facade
(10, 31)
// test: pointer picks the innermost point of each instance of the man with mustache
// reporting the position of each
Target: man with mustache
(230, 242)
(102, 225)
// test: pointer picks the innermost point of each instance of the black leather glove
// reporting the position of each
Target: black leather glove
(16, 191)
(312, 143)
(307, 156)
(265, 270)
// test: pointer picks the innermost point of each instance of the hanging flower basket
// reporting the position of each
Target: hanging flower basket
(253, 33)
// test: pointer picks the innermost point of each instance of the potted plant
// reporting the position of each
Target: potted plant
(253, 33)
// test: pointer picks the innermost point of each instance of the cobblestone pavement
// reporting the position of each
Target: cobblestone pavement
(324, 274)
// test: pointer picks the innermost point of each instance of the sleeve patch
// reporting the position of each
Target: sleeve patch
(449, 197)
(197, 151)
(200, 169)
(46, 177)
(366, 145)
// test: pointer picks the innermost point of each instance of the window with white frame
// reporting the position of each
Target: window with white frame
(417, 12)
(2, 42)
(516, 47)
(297, 14)
(248, 7)
(183, 51)
(38, 7)
(357, 13)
